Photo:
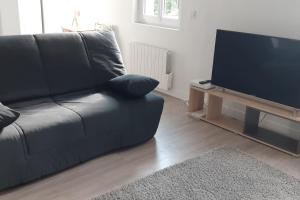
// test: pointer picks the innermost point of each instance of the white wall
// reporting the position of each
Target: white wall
(9, 15)
(193, 44)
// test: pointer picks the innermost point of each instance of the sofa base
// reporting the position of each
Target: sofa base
(21, 167)
(68, 165)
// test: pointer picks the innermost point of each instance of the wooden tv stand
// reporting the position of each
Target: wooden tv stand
(249, 128)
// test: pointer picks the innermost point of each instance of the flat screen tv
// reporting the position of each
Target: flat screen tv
(262, 66)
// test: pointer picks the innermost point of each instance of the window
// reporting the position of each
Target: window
(49, 16)
(30, 16)
(171, 9)
(159, 12)
(151, 8)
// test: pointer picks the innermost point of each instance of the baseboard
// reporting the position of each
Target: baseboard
(174, 94)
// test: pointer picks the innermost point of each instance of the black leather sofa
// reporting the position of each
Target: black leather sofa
(57, 82)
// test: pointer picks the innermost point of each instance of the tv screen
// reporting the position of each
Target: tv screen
(262, 66)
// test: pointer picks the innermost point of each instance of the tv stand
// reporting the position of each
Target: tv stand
(249, 128)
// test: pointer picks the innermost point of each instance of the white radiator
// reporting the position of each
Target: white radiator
(150, 61)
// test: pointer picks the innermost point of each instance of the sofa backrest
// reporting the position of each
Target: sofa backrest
(104, 55)
(65, 61)
(21, 70)
(43, 65)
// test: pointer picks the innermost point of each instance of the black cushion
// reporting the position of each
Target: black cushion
(7, 116)
(21, 72)
(133, 85)
(66, 63)
(104, 55)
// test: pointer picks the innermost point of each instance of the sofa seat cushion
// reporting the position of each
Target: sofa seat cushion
(46, 125)
(101, 113)
(129, 121)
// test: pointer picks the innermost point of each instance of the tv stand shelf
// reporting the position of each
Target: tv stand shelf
(249, 128)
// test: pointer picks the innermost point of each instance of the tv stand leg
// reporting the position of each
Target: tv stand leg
(251, 121)
(270, 137)
(214, 107)
(298, 148)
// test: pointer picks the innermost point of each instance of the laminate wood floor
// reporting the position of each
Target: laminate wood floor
(178, 138)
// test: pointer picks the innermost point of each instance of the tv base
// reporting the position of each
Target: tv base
(249, 128)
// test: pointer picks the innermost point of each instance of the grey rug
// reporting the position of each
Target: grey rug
(220, 174)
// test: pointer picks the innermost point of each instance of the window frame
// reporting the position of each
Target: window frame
(160, 20)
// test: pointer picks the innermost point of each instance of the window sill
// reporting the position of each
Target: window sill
(157, 26)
